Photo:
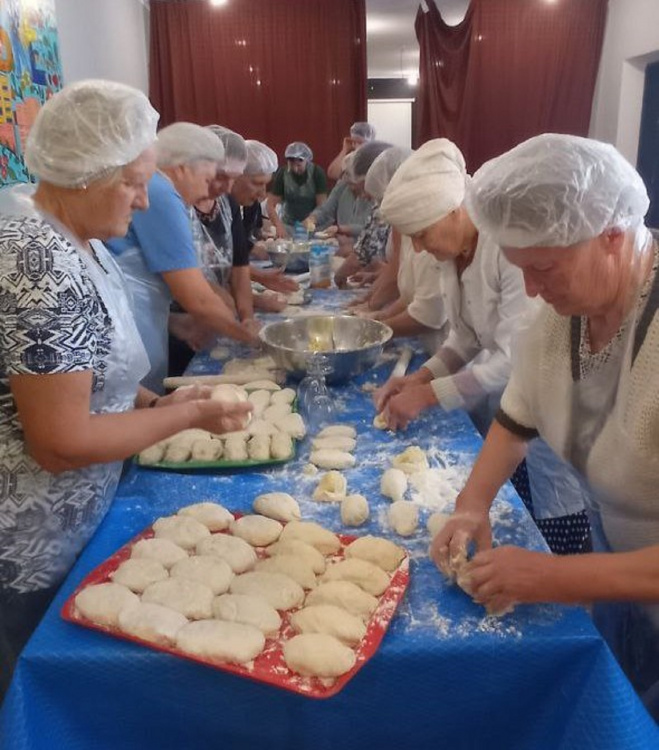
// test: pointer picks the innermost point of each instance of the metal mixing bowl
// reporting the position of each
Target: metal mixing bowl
(349, 345)
(291, 255)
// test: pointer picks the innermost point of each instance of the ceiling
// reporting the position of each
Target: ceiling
(392, 48)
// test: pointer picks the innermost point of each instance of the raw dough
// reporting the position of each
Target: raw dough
(360, 572)
(190, 598)
(104, 603)
(262, 385)
(276, 412)
(309, 470)
(260, 400)
(188, 436)
(235, 551)
(258, 531)
(403, 517)
(213, 515)
(331, 488)
(393, 484)
(285, 396)
(248, 610)
(235, 448)
(354, 510)
(177, 453)
(312, 533)
(162, 550)
(295, 298)
(436, 523)
(206, 450)
(152, 455)
(230, 394)
(411, 460)
(339, 442)
(346, 595)
(379, 422)
(182, 530)
(258, 448)
(235, 436)
(306, 552)
(291, 566)
(219, 352)
(318, 654)
(281, 446)
(137, 573)
(222, 641)
(210, 570)
(293, 425)
(338, 429)
(152, 622)
(330, 458)
(261, 427)
(279, 590)
(379, 551)
(330, 619)
(278, 505)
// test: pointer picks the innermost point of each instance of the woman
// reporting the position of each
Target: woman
(484, 300)
(360, 133)
(71, 357)
(569, 213)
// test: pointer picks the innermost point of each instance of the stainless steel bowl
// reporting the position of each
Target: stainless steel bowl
(291, 255)
(349, 345)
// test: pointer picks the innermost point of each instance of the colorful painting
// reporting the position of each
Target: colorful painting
(30, 73)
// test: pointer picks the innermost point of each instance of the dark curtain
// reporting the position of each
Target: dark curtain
(512, 69)
(274, 71)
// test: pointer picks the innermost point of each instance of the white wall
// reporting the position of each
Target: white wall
(392, 119)
(631, 41)
(104, 39)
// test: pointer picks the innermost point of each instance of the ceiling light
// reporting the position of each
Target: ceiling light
(217, 3)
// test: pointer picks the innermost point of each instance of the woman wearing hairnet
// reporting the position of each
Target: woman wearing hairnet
(300, 187)
(71, 357)
(486, 306)
(160, 255)
(360, 133)
(569, 213)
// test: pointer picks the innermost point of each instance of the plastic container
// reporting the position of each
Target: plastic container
(320, 267)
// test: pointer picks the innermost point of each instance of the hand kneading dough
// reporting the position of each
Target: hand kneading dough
(224, 641)
(312, 533)
(248, 610)
(393, 484)
(346, 595)
(163, 550)
(210, 570)
(206, 450)
(436, 523)
(354, 510)
(276, 411)
(318, 655)
(331, 488)
(152, 455)
(190, 598)
(258, 448)
(327, 618)
(306, 552)
(291, 566)
(338, 429)
(364, 574)
(230, 394)
(136, 574)
(213, 515)
(262, 385)
(338, 442)
(261, 427)
(285, 396)
(293, 425)
(235, 551)
(281, 445)
(403, 517)
(278, 505)
(235, 449)
(258, 531)
(104, 603)
(152, 622)
(280, 591)
(182, 530)
(379, 422)
(260, 400)
(330, 458)
(379, 551)
(411, 460)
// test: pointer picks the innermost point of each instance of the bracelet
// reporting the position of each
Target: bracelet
(153, 402)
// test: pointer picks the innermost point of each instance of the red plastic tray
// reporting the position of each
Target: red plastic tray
(269, 666)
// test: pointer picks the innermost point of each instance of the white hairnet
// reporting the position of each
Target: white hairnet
(298, 150)
(184, 142)
(261, 159)
(235, 149)
(554, 191)
(383, 169)
(362, 130)
(426, 187)
(87, 130)
(365, 156)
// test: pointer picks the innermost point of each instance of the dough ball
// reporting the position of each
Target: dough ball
(376, 550)
(229, 393)
(278, 505)
(221, 641)
(379, 422)
(182, 530)
(364, 574)
(219, 352)
(332, 488)
(329, 619)
(261, 427)
(276, 411)
(281, 446)
(260, 400)
(346, 595)
(318, 655)
(354, 510)
(311, 556)
(248, 610)
(312, 533)
(279, 590)
(309, 470)
(210, 570)
(104, 603)
(338, 429)
(177, 453)
(163, 550)
(258, 531)
(213, 515)
(262, 385)
(206, 450)
(285, 396)
(291, 566)
(152, 455)
(235, 448)
(411, 460)
(436, 523)
(152, 622)
(137, 573)
(234, 436)
(258, 448)
(236, 552)
(190, 598)
(330, 458)
(189, 436)
(393, 484)
(293, 425)
(403, 517)
(338, 442)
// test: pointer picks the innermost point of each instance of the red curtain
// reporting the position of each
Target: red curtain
(512, 69)
(292, 70)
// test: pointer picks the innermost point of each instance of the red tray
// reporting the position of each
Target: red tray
(269, 666)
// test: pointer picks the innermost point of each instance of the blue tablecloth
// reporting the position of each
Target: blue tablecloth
(445, 675)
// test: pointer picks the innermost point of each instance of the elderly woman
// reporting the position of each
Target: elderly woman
(569, 214)
(484, 301)
(159, 255)
(360, 133)
(300, 187)
(71, 357)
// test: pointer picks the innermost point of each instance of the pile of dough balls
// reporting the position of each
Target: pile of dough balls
(216, 587)
(403, 515)
(332, 447)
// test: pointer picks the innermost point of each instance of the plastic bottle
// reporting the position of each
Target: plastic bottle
(320, 267)
(300, 232)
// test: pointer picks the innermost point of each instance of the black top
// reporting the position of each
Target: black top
(215, 226)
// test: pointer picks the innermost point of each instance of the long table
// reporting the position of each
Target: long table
(445, 676)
